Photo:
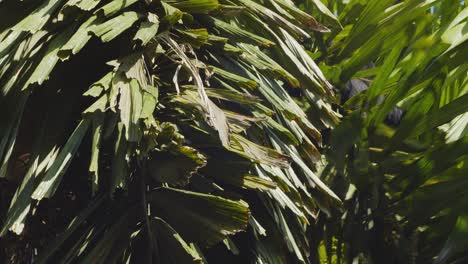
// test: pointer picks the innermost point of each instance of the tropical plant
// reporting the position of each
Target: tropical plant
(185, 131)
(402, 185)
(151, 131)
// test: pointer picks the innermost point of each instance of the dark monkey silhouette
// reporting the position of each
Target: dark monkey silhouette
(356, 86)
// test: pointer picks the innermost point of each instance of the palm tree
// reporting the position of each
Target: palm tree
(202, 131)
(154, 131)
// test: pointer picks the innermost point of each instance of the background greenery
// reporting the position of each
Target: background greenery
(214, 131)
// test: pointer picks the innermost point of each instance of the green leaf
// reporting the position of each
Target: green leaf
(112, 28)
(171, 246)
(214, 216)
(113, 242)
(258, 153)
(39, 17)
(114, 6)
(51, 180)
(85, 5)
(253, 55)
(305, 64)
(147, 30)
(227, 95)
(238, 33)
(455, 36)
(10, 127)
(196, 6)
(194, 37)
(48, 62)
(98, 122)
(250, 182)
(242, 81)
(119, 162)
(439, 117)
(456, 242)
(79, 39)
(99, 105)
(103, 84)
(321, 7)
(384, 72)
(274, 18)
(150, 99)
(130, 105)
(177, 166)
(20, 203)
(173, 15)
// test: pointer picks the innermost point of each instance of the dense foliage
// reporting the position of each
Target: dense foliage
(402, 185)
(194, 131)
